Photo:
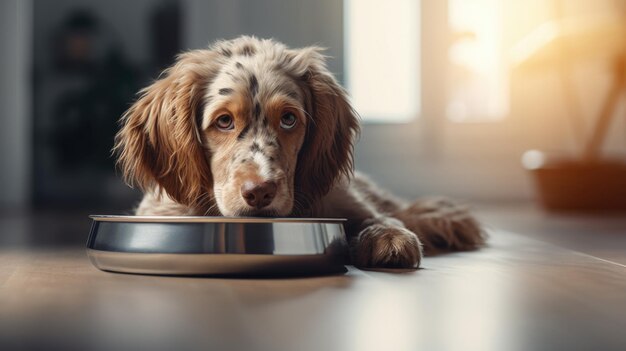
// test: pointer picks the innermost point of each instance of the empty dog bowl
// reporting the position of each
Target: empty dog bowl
(217, 245)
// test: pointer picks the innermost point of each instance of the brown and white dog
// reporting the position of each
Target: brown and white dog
(250, 127)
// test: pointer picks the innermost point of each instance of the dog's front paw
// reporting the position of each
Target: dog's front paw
(384, 246)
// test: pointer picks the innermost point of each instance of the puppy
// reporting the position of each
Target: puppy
(249, 127)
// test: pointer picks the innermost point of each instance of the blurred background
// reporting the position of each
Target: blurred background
(513, 107)
(452, 93)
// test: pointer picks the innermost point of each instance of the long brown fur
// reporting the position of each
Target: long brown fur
(328, 149)
(158, 144)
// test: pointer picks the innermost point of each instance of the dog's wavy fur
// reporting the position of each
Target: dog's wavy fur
(170, 147)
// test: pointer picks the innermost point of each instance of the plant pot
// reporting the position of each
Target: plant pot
(568, 184)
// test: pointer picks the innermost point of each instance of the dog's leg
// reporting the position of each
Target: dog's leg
(442, 225)
(155, 204)
(377, 240)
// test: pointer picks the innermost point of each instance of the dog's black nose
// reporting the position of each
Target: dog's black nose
(258, 195)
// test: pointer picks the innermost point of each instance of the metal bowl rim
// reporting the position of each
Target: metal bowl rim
(202, 219)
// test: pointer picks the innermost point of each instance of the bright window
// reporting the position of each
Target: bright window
(478, 80)
(382, 58)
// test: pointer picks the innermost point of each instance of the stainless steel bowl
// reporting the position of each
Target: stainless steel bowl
(217, 245)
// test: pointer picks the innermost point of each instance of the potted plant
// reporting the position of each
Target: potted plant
(588, 180)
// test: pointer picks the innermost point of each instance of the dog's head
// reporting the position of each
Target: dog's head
(246, 127)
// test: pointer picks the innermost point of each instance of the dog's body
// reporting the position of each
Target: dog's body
(252, 128)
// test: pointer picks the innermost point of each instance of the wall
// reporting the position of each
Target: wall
(15, 133)
(296, 23)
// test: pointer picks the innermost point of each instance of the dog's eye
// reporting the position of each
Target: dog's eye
(288, 120)
(225, 122)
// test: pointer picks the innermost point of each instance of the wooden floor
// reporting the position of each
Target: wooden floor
(522, 292)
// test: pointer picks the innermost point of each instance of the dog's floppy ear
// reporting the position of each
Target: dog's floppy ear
(327, 151)
(158, 144)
